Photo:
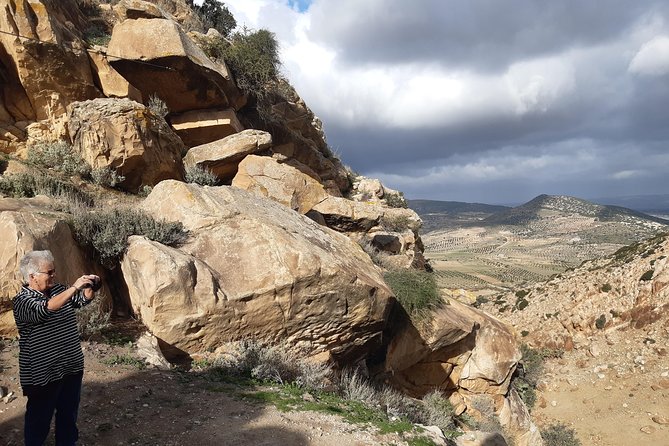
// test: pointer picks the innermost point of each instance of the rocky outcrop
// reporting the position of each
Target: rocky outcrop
(138, 9)
(223, 156)
(27, 225)
(253, 269)
(157, 57)
(125, 136)
(200, 127)
(111, 82)
(281, 182)
(45, 61)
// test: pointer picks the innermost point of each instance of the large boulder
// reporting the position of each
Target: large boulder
(222, 157)
(459, 349)
(126, 136)
(253, 269)
(199, 127)
(50, 68)
(27, 225)
(281, 182)
(157, 57)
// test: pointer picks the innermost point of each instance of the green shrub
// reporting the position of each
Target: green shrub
(646, 276)
(253, 58)
(201, 176)
(600, 323)
(59, 156)
(521, 293)
(127, 360)
(559, 435)
(606, 288)
(29, 184)
(395, 223)
(93, 319)
(415, 290)
(106, 176)
(107, 232)
(97, 35)
(521, 304)
(396, 200)
(215, 15)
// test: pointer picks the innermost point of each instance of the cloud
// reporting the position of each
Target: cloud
(468, 98)
(652, 59)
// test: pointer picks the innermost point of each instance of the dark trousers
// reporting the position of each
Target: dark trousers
(61, 396)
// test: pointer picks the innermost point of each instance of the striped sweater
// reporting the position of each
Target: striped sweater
(49, 346)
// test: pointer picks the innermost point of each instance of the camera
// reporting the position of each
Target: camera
(95, 286)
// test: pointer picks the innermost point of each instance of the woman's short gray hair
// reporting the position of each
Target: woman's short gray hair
(30, 263)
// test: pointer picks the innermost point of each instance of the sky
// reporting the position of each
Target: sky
(484, 100)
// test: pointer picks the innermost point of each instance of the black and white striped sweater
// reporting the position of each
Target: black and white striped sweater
(49, 346)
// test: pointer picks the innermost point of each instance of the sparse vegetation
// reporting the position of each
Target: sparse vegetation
(201, 176)
(439, 412)
(31, 184)
(97, 35)
(395, 223)
(58, 155)
(527, 376)
(215, 15)
(396, 200)
(606, 288)
(559, 435)
(157, 106)
(93, 319)
(127, 360)
(600, 323)
(107, 177)
(415, 290)
(107, 232)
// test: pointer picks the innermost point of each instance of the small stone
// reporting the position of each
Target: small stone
(647, 429)
(601, 376)
(554, 403)
(660, 420)
(640, 360)
(9, 398)
(608, 388)
(625, 404)
(306, 396)
(664, 374)
(595, 350)
(542, 402)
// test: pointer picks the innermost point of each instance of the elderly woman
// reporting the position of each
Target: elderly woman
(51, 362)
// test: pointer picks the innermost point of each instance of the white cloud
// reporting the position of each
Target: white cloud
(652, 59)
(626, 174)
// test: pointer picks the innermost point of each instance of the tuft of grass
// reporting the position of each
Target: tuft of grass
(200, 175)
(606, 288)
(396, 200)
(127, 360)
(397, 223)
(97, 35)
(439, 412)
(30, 184)
(58, 155)
(415, 290)
(107, 177)
(600, 323)
(559, 435)
(107, 231)
(157, 106)
(532, 364)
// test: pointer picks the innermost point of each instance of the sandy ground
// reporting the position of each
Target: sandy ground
(618, 398)
(123, 405)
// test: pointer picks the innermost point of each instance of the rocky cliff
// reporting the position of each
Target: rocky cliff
(274, 249)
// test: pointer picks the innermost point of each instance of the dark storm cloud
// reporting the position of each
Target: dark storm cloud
(477, 34)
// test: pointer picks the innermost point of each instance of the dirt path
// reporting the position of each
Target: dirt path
(122, 405)
(618, 398)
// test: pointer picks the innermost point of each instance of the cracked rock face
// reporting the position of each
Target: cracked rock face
(253, 268)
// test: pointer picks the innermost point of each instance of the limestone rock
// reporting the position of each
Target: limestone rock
(125, 136)
(138, 9)
(346, 215)
(281, 182)
(50, 70)
(28, 225)
(223, 156)
(253, 269)
(459, 348)
(148, 348)
(158, 58)
(516, 419)
(200, 127)
(478, 438)
(112, 83)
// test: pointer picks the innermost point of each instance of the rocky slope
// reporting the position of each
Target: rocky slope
(272, 252)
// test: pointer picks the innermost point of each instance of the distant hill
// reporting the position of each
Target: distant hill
(440, 207)
(551, 206)
(648, 204)
(447, 214)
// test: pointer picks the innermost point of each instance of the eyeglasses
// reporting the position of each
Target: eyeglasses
(51, 272)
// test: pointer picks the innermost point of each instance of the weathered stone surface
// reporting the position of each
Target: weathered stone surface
(200, 127)
(27, 225)
(112, 83)
(222, 157)
(126, 136)
(253, 268)
(479, 438)
(346, 215)
(138, 9)
(51, 68)
(517, 421)
(157, 57)
(281, 182)
(460, 348)
(181, 12)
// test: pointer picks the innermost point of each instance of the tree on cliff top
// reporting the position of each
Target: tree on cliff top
(215, 15)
